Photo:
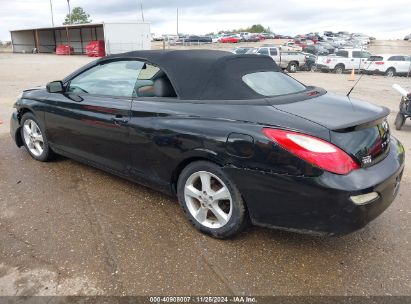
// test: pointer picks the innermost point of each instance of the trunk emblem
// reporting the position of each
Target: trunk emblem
(366, 159)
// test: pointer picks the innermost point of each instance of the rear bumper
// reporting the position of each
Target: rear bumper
(320, 205)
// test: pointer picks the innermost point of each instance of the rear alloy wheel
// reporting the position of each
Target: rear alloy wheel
(399, 121)
(339, 69)
(34, 138)
(292, 67)
(390, 72)
(210, 200)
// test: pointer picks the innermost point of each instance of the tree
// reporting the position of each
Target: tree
(77, 16)
(256, 28)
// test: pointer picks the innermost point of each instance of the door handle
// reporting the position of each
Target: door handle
(119, 119)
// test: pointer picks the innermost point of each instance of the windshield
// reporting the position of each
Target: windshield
(272, 83)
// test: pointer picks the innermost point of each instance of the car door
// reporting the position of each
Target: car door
(90, 119)
(275, 54)
(403, 64)
(393, 63)
(150, 141)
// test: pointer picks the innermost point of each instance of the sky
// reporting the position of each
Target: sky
(379, 18)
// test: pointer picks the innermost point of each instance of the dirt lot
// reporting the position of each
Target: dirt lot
(67, 229)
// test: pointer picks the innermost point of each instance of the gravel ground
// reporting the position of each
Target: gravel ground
(69, 229)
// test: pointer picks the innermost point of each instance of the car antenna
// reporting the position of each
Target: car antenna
(355, 84)
(359, 78)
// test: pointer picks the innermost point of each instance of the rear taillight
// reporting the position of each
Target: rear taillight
(315, 151)
(379, 62)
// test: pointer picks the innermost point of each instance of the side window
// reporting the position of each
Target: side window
(263, 51)
(356, 54)
(273, 52)
(396, 58)
(153, 82)
(116, 78)
(342, 54)
(365, 55)
(145, 81)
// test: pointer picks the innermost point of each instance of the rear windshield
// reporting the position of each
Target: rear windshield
(273, 83)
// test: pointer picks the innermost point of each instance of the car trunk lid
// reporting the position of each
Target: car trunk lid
(357, 127)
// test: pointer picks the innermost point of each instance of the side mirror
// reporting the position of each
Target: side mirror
(55, 87)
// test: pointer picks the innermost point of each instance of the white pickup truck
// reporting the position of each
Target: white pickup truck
(290, 61)
(343, 60)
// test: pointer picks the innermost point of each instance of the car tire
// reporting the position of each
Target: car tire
(390, 72)
(399, 121)
(292, 67)
(339, 69)
(222, 218)
(34, 138)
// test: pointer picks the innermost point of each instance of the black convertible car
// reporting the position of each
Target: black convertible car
(233, 137)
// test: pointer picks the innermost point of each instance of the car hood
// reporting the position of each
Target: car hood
(335, 112)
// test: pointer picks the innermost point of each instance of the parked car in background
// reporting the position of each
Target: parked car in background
(329, 47)
(267, 35)
(389, 65)
(290, 46)
(290, 61)
(316, 49)
(328, 33)
(251, 38)
(156, 37)
(198, 39)
(408, 37)
(354, 44)
(335, 40)
(215, 38)
(343, 60)
(364, 39)
(229, 39)
(303, 42)
(241, 50)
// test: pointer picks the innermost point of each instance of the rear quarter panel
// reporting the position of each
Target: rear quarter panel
(168, 134)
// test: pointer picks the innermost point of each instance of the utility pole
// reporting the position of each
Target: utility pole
(141, 8)
(69, 11)
(52, 17)
(177, 21)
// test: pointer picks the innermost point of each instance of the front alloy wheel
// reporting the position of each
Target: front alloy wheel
(34, 138)
(210, 200)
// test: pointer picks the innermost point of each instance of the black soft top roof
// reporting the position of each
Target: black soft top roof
(206, 74)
